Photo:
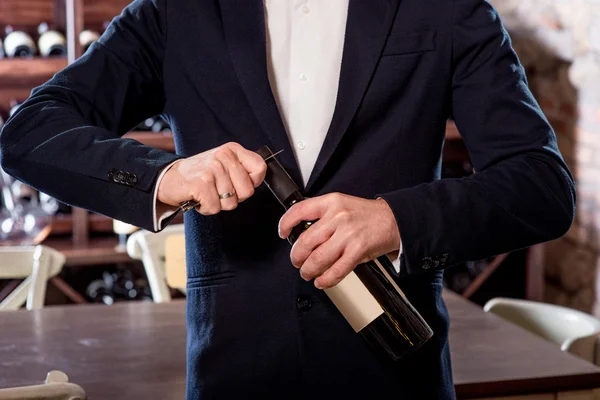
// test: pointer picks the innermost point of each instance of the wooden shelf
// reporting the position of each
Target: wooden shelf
(16, 72)
(63, 224)
(158, 140)
(98, 251)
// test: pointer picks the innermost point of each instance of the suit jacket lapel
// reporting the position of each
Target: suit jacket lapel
(245, 35)
(367, 28)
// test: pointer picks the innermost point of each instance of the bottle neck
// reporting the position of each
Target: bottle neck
(294, 198)
(283, 188)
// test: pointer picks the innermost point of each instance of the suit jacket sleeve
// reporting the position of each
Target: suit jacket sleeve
(65, 140)
(522, 192)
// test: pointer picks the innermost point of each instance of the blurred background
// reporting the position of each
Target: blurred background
(557, 41)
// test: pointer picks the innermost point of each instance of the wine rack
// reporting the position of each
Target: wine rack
(18, 76)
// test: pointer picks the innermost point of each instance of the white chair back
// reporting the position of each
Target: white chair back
(36, 265)
(56, 387)
(574, 331)
(149, 247)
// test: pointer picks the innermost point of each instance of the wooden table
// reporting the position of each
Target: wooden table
(137, 351)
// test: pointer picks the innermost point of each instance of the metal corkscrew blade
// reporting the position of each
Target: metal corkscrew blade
(191, 204)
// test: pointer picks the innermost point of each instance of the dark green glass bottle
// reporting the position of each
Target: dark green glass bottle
(369, 299)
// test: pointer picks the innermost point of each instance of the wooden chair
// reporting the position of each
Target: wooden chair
(573, 331)
(56, 387)
(37, 265)
(151, 248)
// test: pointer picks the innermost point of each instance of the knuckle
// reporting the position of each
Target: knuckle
(229, 206)
(299, 207)
(344, 216)
(337, 274)
(207, 178)
(195, 194)
(318, 256)
(246, 192)
(217, 166)
(335, 198)
(214, 210)
(262, 167)
(224, 153)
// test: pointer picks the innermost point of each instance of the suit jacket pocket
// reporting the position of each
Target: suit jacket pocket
(409, 43)
(217, 279)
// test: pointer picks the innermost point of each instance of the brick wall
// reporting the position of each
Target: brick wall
(558, 42)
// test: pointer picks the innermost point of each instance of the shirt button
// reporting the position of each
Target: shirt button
(305, 9)
(301, 145)
(303, 303)
(303, 77)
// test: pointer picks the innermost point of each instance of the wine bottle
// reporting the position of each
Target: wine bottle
(87, 37)
(18, 44)
(368, 298)
(160, 126)
(14, 107)
(99, 292)
(1, 49)
(51, 42)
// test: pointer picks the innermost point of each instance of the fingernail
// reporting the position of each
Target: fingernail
(318, 285)
(302, 276)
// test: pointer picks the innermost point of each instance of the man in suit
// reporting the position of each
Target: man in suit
(357, 94)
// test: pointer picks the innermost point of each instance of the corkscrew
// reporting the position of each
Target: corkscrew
(191, 204)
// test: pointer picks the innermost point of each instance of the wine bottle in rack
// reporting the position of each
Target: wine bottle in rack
(14, 106)
(1, 49)
(98, 292)
(51, 42)
(18, 44)
(146, 125)
(368, 298)
(87, 37)
(160, 126)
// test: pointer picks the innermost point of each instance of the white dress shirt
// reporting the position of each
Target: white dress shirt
(305, 41)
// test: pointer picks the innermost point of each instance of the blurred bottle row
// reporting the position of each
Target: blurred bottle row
(51, 42)
(117, 286)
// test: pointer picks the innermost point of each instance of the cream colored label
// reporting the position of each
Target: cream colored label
(355, 302)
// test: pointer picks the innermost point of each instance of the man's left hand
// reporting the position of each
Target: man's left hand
(349, 231)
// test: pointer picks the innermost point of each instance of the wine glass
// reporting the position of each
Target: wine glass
(23, 220)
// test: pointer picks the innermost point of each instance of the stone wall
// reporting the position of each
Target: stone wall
(558, 41)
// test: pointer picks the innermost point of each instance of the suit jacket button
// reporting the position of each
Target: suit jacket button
(303, 303)
(444, 259)
(131, 179)
(427, 263)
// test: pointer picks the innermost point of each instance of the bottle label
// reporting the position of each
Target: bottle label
(355, 302)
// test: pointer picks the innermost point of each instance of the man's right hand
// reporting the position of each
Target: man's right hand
(229, 168)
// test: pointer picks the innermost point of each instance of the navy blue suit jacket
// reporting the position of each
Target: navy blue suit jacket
(408, 66)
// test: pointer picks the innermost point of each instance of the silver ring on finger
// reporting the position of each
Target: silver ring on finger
(227, 195)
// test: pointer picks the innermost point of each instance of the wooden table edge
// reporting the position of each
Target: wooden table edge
(530, 386)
